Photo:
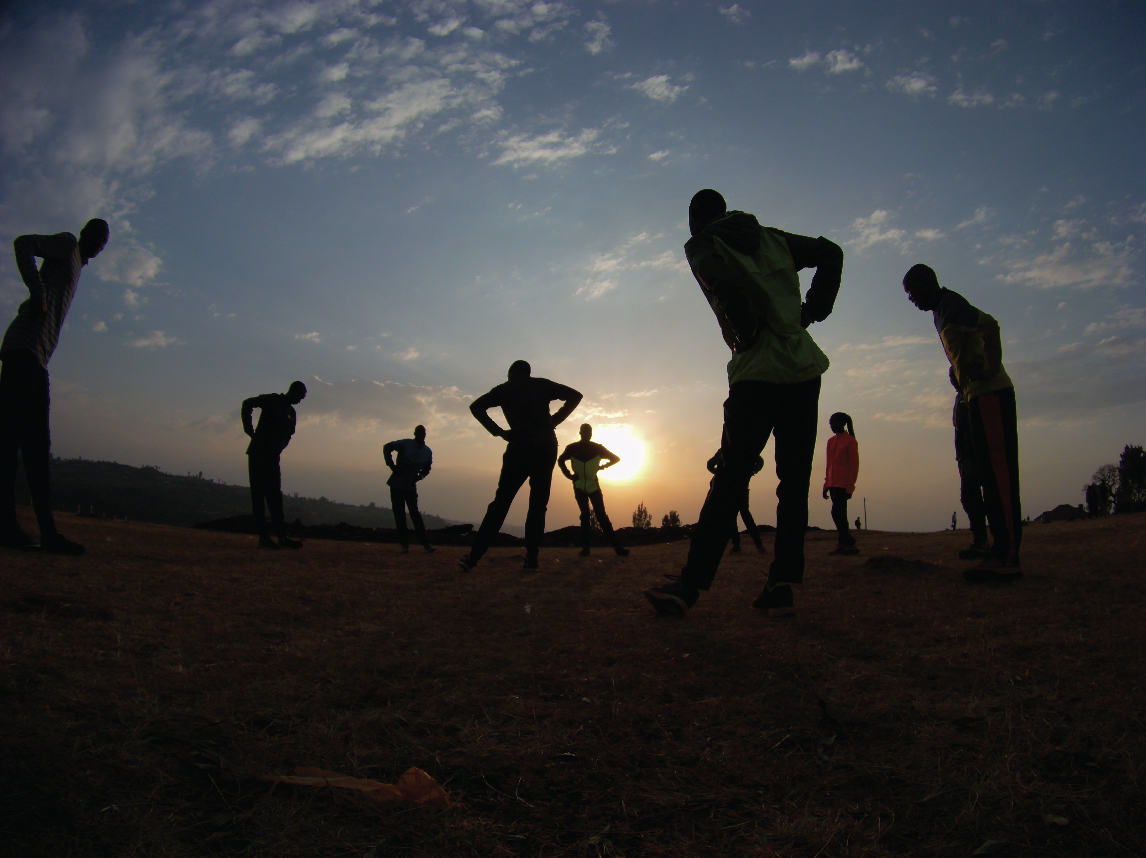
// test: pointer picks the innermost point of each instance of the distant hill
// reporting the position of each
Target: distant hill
(148, 494)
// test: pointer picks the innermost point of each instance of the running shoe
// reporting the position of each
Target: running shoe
(776, 600)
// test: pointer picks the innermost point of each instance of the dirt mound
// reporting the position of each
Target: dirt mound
(898, 566)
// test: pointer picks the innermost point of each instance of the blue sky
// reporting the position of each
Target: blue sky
(394, 201)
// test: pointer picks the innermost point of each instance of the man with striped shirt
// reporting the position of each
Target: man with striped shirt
(25, 351)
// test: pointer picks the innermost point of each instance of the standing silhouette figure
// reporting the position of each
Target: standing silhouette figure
(413, 465)
(586, 458)
(748, 273)
(530, 453)
(840, 479)
(27, 347)
(268, 440)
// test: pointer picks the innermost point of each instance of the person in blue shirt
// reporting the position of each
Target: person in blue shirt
(412, 465)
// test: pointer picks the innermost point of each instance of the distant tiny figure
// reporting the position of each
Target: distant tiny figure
(840, 479)
(276, 427)
(529, 455)
(27, 347)
(586, 458)
(858, 527)
(970, 486)
(974, 348)
(714, 464)
(413, 465)
(749, 274)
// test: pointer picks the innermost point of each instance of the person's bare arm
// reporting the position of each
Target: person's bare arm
(572, 398)
(479, 408)
(608, 459)
(388, 453)
(565, 457)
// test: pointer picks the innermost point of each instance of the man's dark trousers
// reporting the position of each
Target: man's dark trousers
(753, 411)
(400, 499)
(24, 405)
(518, 464)
(266, 484)
(598, 500)
(995, 433)
(971, 497)
(840, 515)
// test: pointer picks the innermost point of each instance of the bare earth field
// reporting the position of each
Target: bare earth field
(145, 686)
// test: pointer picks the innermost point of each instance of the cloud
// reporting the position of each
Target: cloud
(1127, 317)
(914, 84)
(100, 327)
(875, 229)
(550, 148)
(407, 354)
(889, 342)
(127, 263)
(998, 45)
(242, 131)
(928, 234)
(372, 407)
(1087, 266)
(980, 216)
(735, 14)
(596, 288)
(657, 156)
(597, 37)
(978, 99)
(154, 340)
(842, 61)
(659, 89)
(1082, 381)
(809, 59)
(132, 299)
(444, 28)
(312, 337)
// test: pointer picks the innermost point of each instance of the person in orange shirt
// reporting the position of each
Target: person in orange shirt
(840, 480)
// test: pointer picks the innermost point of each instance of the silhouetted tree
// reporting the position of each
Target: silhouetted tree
(641, 518)
(671, 520)
(1131, 493)
(1101, 491)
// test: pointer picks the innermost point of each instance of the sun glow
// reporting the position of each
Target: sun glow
(619, 438)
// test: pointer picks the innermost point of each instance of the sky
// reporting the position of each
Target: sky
(393, 201)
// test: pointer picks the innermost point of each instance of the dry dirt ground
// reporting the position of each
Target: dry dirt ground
(145, 686)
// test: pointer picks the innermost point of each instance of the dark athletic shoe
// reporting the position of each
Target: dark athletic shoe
(977, 551)
(735, 549)
(994, 570)
(845, 549)
(530, 564)
(17, 539)
(672, 600)
(621, 552)
(760, 547)
(267, 542)
(56, 544)
(776, 601)
(585, 551)
(287, 542)
(465, 564)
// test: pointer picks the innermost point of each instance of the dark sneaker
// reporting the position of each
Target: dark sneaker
(621, 552)
(56, 544)
(287, 542)
(735, 549)
(673, 600)
(760, 547)
(267, 542)
(429, 549)
(465, 564)
(18, 539)
(977, 551)
(777, 600)
(530, 564)
(845, 549)
(994, 570)
(585, 551)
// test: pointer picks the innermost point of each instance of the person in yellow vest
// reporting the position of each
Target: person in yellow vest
(586, 458)
(748, 273)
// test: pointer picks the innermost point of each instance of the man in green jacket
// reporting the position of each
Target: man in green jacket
(748, 274)
(586, 458)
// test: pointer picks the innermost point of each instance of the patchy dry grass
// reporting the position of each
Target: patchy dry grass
(145, 686)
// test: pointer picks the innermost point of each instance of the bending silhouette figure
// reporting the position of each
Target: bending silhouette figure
(970, 487)
(530, 453)
(27, 347)
(974, 348)
(714, 465)
(586, 458)
(413, 465)
(276, 427)
(748, 275)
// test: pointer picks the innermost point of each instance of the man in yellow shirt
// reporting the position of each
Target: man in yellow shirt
(587, 458)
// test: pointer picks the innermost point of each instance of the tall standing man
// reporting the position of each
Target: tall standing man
(974, 348)
(276, 427)
(26, 349)
(748, 273)
(413, 465)
(586, 459)
(529, 455)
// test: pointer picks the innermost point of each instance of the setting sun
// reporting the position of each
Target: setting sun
(619, 438)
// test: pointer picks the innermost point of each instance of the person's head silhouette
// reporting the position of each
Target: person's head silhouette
(296, 393)
(586, 431)
(922, 287)
(420, 434)
(519, 370)
(840, 421)
(706, 206)
(93, 237)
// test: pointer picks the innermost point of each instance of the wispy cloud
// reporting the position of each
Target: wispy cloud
(550, 148)
(407, 354)
(127, 263)
(809, 59)
(914, 84)
(312, 337)
(1127, 317)
(977, 99)
(842, 61)
(735, 14)
(658, 88)
(155, 340)
(100, 327)
(598, 37)
(875, 229)
(1086, 266)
